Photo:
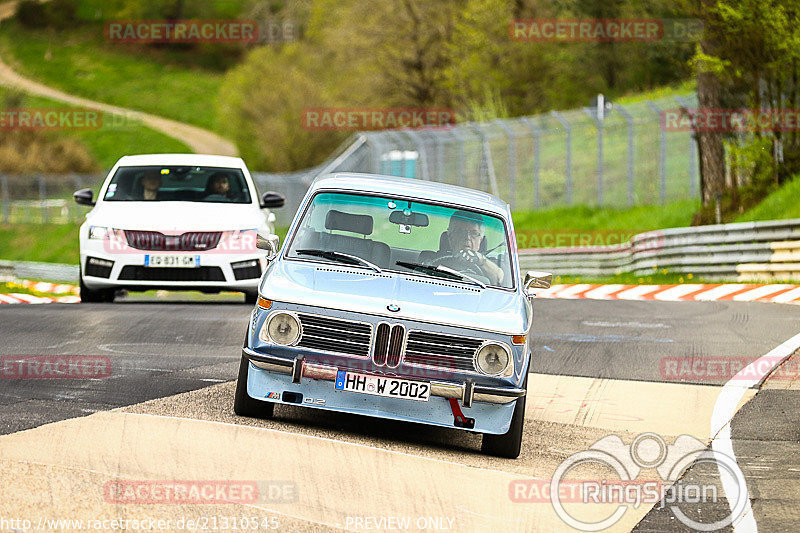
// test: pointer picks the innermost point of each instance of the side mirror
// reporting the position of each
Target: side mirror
(536, 280)
(272, 199)
(84, 197)
(269, 243)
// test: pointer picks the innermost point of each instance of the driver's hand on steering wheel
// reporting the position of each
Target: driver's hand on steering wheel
(473, 257)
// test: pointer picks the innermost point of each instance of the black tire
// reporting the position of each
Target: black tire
(243, 404)
(508, 445)
(251, 298)
(95, 295)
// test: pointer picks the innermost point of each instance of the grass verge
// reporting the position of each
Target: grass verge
(81, 62)
(117, 137)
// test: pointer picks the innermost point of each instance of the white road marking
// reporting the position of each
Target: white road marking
(724, 411)
(644, 325)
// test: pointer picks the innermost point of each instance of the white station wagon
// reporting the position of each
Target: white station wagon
(177, 222)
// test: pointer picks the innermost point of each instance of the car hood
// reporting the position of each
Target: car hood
(419, 298)
(176, 216)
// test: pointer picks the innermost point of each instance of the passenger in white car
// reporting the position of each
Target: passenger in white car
(151, 183)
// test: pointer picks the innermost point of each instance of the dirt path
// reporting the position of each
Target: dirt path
(199, 140)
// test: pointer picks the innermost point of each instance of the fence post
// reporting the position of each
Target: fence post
(686, 102)
(568, 128)
(456, 131)
(662, 159)
(486, 158)
(599, 125)
(441, 175)
(376, 147)
(537, 160)
(6, 201)
(629, 119)
(512, 160)
(43, 198)
(422, 160)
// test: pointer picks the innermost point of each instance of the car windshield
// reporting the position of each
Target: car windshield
(410, 236)
(178, 184)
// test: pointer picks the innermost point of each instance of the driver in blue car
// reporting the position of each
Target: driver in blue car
(466, 234)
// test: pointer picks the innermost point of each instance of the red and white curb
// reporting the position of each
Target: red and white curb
(773, 293)
(42, 286)
(16, 298)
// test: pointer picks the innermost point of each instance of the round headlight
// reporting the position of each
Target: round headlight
(493, 359)
(283, 329)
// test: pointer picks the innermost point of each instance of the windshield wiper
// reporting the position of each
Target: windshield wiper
(341, 257)
(441, 269)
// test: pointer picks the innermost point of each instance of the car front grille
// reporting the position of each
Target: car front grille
(142, 273)
(335, 336)
(441, 351)
(193, 241)
(388, 345)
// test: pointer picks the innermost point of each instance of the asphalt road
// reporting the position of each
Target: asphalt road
(159, 350)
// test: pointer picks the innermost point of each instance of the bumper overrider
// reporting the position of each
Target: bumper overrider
(466, 391)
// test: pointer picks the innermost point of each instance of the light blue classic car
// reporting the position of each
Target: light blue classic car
(399, 299)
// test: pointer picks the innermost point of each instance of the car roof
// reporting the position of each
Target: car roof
(181, 159)
(424, 190)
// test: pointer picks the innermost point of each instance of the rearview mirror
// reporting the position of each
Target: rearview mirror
(272, 199)
(84, 197)
(419, 220)
(536, 280)
(269, 243)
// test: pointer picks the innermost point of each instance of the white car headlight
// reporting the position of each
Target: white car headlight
(281, 328)
(98, 232)
(493, 358)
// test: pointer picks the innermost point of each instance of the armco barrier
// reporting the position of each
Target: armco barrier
(767, 250)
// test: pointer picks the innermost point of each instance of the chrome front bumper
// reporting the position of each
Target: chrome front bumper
(467, 392)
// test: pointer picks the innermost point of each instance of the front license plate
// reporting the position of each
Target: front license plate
(172, 261)
(380, 386)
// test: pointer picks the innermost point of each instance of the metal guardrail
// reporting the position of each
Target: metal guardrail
(751, 250)
(41, 271)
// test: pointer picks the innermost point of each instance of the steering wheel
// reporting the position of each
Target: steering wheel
(459, 263)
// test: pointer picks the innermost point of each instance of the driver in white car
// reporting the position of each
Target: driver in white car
(466, 233)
